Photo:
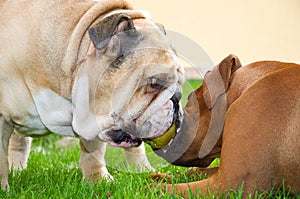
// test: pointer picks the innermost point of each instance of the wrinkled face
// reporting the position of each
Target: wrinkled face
(130, 86)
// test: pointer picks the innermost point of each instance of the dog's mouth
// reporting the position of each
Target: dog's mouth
(122, 139)
(167, 137)
(125, 139)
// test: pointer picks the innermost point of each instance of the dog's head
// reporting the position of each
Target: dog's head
(199, 139)
(130, 84)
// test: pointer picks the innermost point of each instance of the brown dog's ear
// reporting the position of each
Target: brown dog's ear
(217, 81)
(115, 33)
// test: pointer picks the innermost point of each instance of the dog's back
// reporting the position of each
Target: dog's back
(263, 125)
(250, 74)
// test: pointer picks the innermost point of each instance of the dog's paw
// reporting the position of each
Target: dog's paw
(5, 185)
(107, 177)
(99, 176)
(146, 167)
(160, 177)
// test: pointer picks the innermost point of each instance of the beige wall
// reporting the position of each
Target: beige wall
(251, 29)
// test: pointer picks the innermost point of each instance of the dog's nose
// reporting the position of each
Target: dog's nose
(177, 96)
(119, 136)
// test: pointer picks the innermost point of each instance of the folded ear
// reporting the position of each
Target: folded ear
(217, 81)
(115, 33)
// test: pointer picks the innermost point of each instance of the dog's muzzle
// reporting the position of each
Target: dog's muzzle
(165, 137)
(161, 126)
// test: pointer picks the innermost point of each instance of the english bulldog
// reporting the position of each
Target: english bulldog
(249, 117)
(97, 70)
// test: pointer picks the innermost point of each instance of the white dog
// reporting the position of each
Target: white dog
(97, 70)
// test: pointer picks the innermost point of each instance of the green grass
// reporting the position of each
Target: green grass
(53, 172)
(188, 87)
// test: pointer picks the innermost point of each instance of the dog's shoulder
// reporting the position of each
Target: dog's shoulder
(250, 75)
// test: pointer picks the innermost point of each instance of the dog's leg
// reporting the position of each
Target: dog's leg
(92, 161)
(203, 171)
(196, 170)
(18, 151)
(203, 187)
(136, 158)
(6, 129)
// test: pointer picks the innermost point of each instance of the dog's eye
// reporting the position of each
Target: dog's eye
(154, 84)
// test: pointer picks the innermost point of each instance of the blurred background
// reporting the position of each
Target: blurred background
(253, 30)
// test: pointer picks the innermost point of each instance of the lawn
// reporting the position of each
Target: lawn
(53, 172)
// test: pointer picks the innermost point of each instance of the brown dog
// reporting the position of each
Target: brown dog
(250, 118)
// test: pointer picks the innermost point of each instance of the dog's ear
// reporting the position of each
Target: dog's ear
(217, 81)
(114, 34)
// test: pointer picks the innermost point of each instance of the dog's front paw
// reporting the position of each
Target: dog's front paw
(161, 177)
(107, 177)
(99, 176)
(4, 184)
(146, 166)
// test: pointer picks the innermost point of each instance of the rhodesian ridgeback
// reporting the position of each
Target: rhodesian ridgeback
(249, 117)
